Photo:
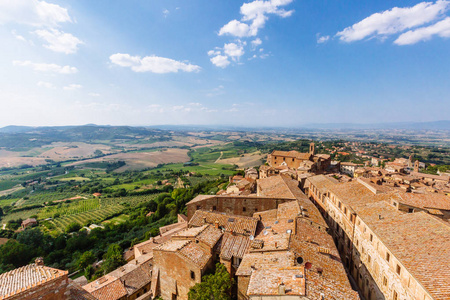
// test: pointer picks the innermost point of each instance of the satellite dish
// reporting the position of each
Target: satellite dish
(289, 231)
(252, 238)
(265, 232)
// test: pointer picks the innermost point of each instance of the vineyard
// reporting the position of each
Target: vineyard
(87, 211)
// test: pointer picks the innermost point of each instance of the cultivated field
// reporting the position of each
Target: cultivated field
(244, 161)
(142, 160)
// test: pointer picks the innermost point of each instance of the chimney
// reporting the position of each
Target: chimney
(276, 245)
(282, 289)
(39, 261)
(216, 224)
(204, 220)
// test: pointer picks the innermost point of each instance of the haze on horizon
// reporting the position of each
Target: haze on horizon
(247, 63)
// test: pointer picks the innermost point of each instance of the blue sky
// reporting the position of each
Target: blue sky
(254, 63)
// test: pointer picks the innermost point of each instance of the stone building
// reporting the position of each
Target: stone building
(129, 282)
(307, 162)
(36, 281)
(391, 254)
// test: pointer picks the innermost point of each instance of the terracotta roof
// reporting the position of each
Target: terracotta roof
(14, 281)
(236, 224)
(277, 186)
(233, 246)
(322, 182)
(112, 289)
(135, 280)
(264, 260)
(196, 254)
(436, 201)
(435, 177)
(266, 282)
(292, 154)
(208, 234)
(421, 243)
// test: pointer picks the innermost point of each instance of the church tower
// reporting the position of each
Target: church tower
(311, 148)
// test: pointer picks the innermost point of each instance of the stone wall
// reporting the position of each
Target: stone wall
(242, 206)
(53, 289)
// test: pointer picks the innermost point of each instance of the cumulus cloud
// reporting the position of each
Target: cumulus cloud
(59, 41)
(394, 21)
(33, 12)
(322, 39)
(254, 16)
(441, 28)
(44, 84)
(220, 61)
(73, 86)
(233, 50)
(154, 64)
(43, 67)
(256, 42)
(166, 12)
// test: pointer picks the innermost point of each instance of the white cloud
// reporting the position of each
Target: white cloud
(32, 12)
(154, 64)
(72, 87)
(256, 42)
(166, 12)
(94, 94)
(220, 61)
(18, 36)
(44, 84)
(42, 67)
(255, 13)
(213, 52)
(59, 41)
(237, 28)
(322, 39)
(394, 21)
(233, 50)
(441, 28)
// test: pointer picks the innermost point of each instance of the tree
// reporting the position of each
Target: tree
(1, 212)
(86, 259)
(215, 286)
(112, 259)
(72, 227)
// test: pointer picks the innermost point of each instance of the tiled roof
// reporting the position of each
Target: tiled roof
(195, 254)
(233, 246)
(437, 201)
(277, 186)
(421, 243)
(264, 260)
(208, 234)
(266, 282)
(26, 277)
(292, 154)
(110, 290)
(322, 182)
(135, 280)
(236, 224)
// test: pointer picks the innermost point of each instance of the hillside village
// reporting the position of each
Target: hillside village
(299, 227)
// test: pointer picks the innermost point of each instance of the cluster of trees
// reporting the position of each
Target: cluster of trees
(75, 250)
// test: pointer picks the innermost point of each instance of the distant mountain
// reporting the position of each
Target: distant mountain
(15, 129)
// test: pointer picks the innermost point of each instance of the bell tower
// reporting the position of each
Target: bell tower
(416, 166)
(311, 148)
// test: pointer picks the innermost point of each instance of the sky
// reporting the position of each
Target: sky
(254, 63)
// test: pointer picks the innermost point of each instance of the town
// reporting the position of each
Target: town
(300, 226)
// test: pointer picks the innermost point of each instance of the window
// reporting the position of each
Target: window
(395, 296)
(411, 210)
(385, 281)
(198, 207)
(398, 269)
(244, 209)
(371, 237)
(214, 207)
(292, 159)
(192, 275)
(388, 257)
(340, 205)
(345, 210)
(369, 258)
